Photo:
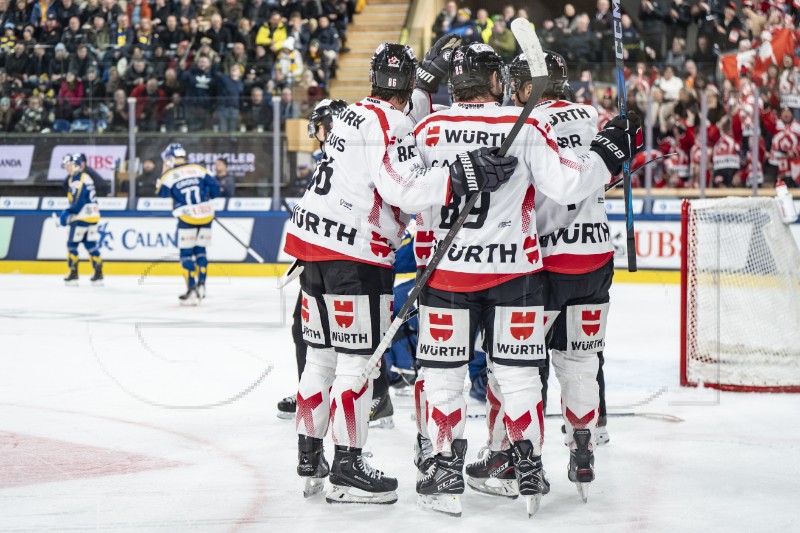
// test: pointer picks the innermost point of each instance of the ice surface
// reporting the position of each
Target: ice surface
(121, 411)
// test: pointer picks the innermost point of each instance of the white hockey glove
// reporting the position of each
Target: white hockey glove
(480, 170)
(433, 69)
(618, 141)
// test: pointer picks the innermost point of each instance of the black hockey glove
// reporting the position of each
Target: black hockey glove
(433, 69)
(480, 170)
(619, 141)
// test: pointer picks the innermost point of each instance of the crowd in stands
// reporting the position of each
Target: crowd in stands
(191, 65)
(738, 57)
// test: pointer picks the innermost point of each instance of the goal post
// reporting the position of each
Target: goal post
(740, 296)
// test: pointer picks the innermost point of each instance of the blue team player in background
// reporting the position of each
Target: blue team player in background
(191, 189)
(82, 217)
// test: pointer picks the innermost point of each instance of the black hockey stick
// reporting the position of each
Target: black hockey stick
(250, 251)
(622, 99)
(637, 169)
(529, 42)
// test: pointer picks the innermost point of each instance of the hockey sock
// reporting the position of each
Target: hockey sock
(187, 262)
(313, 393)
(300, 346)
(381, 384)
(72, 255)
(202, 263)
(495, 412)
(94, 254)
(421, 403)
(580, 394)
(522, 400)
(601, 384)
(446, 406)
(349, 407)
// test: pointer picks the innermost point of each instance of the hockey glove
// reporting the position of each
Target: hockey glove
(433, 69)
(618, 141)
(480, 170)
(64, 218)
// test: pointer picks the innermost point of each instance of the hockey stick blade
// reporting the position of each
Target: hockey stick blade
(637, 169)
(529, 42)
(291, 274)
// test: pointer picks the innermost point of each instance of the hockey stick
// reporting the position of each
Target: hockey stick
(637, 169)
(653, 416)
(250, 251)
(622, 99)
(529, 42)
(291, 274)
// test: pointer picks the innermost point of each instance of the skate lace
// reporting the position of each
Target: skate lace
(291, 399)
(374, 473)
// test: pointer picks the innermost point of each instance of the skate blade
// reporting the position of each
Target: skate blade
(342, 494)
(190, 302)
(407, 391)
(449, 504)
(583, 490)
(386, 423)
(285, 416)
(532, 502)
(313, 486)
(505, 488)
(98, 283)
(73, 283)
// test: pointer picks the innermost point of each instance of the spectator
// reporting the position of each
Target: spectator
(730, 29)
(82, 60)
(145, 182)
(227, 183)
(33, 119)
(171, 84)
(17, 63)
(297, 187)
(289, 68)
(136, 74)
(50, 34)
(670, 84)
(603, 27)
(39, 64)
(676, 57)
(7, 115)
(705, 57)
(567, 21)
(272, 33)
(146, 38)
(484, 25)
(94, 92)
(176, 114)
(206, 10)
(231, 10)
(151, 103)
(220, 35)
(228, 91)
(445, 19)
(509, 13)
(114, 81)
(301, 33)
(678, 19)
(465, 26)
(503, 42)
(73, 35)
(122, 37)
(67, 10)
(328, 40)
(206, 50)
(582, 47)
(257, 112)
(98, 36)
(118, 114)
(289, 108)
(245, 34)
(185, 12)
(21, 14)
(716, 111)
(172, 34)
(159, 13)
(198, 98)
(111, 12)
(237, 56)
(70, 96)
(138, 10)
(652, 14)
(9, 38)
(42, 11)
(790, 85)
(257, 11)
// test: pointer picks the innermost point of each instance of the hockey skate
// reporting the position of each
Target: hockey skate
(72, 278)
(201, 291)
(97, 277)
(287, 407)
(353, 480)
(190, 297)
(423, 455)
(581, 463)
(311, 464)
(530, 475)
(380, 415)
(493, 473)
(601, 432)
(441, 487)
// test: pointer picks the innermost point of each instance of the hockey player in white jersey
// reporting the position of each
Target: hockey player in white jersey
(578, 261)
(344, 232)
(489, 277)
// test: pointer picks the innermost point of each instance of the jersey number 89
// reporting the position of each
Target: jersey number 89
(451, 211)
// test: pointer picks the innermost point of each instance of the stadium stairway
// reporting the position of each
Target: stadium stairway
(379, 21)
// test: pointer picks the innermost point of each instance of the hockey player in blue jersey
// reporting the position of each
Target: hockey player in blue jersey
(82, 217)
(191, 189)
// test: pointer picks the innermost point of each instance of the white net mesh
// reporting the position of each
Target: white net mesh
(743, 295)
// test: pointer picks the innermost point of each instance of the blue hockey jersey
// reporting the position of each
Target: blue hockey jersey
(191, 189)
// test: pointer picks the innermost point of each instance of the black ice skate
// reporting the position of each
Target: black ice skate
(97, 277)
(530, 475)
(581, 463)
(443, 483)
(72, 278)
(190, 297)
(311, 464)
(493, 473)
(201, 291)
(423, 455)
(380, 415)
(287, 407)
(354, 481)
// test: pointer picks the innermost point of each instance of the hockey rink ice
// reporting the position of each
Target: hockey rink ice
(121, 411)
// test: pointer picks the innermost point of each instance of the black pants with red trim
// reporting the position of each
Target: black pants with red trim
(519, 292)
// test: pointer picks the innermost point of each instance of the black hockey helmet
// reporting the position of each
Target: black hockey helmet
(393, 67)
(472, 65)
(558, 78)
(323, 114)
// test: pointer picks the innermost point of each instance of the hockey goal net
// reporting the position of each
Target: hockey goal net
(740, 296)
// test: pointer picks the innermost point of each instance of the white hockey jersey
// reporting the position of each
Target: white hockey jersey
(575, 239)
(370, 177)
(499, 240)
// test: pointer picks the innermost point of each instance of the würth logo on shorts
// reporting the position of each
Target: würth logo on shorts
(441, 326)
(344, 313)
(432, 136)
(591, 322)
(304, 310)
(531, 247)
(521, 326)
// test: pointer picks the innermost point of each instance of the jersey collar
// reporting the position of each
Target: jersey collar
(475, 105)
